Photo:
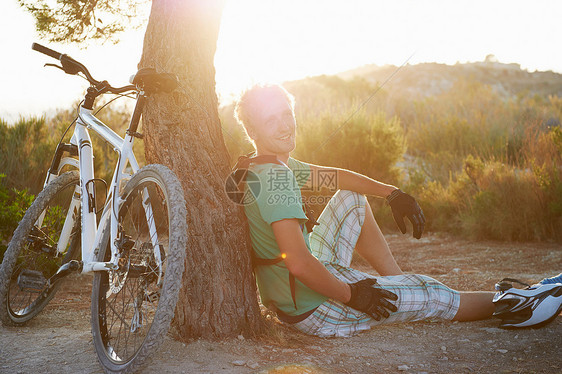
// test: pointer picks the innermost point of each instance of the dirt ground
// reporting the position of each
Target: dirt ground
(59, 340)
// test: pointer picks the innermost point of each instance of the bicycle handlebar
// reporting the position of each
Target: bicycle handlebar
(47, 51)
(73, 67)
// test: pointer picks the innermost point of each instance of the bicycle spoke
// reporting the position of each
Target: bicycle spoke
(117, 314)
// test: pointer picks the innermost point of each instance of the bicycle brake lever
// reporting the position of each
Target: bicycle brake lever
(55, 66)
(67, 67)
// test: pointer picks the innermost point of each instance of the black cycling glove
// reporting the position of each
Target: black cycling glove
(367, 296)
(404, 205)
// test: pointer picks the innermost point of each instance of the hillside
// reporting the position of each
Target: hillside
(428, 79)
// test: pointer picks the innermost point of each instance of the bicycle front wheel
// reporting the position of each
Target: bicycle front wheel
(47, 237)
(132, 307)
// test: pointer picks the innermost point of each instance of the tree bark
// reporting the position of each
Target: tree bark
(182, 131)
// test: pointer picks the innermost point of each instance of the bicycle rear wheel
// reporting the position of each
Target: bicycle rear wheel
(32, 256)
(132, 307)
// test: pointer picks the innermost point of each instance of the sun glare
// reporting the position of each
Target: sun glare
(275, 41)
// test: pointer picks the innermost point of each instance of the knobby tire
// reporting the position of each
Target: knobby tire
(131, 308)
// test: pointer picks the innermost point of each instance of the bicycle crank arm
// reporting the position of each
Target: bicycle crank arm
(63, 271)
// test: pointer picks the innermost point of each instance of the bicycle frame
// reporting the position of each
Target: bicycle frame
(92, 235)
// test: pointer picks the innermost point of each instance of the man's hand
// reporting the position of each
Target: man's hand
(371, 300)
(404, 205)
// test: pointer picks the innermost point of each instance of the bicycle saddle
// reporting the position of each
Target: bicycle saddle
(152, 82)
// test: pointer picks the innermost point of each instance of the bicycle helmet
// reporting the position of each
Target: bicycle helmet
(533, 306)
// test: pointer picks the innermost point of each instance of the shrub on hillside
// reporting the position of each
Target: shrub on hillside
(493, 200)
(26, 148)
(14, 203)
(368, 144)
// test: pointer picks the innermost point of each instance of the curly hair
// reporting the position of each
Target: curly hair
(248, 98)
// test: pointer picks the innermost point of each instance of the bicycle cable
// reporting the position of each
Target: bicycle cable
(115, 98)
(97, 111)
(71, 123)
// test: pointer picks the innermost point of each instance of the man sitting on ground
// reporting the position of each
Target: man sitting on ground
(306, 276)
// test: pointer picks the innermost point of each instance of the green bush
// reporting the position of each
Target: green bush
(369, 144)
(14, 203)
(470, 118)
(506, 206)
(493, 200)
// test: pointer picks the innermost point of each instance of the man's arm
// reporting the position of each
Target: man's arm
(402, 204)
(349, 180)
(366, 295)
(303, 265)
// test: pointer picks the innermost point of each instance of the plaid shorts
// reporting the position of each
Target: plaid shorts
(332, 242)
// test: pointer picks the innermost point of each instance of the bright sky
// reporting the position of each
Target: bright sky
(274, 41)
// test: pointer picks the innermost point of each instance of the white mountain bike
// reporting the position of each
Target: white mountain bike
(136, 250)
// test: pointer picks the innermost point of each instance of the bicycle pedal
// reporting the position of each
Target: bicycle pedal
(31, 280)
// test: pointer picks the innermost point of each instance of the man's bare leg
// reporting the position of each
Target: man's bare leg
(475, 306)
(372, 246)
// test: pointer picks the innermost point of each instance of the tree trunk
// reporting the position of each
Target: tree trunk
(183, 132)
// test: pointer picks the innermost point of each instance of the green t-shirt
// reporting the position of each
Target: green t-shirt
(279, 197)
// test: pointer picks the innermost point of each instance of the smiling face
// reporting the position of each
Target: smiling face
(272, 124)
